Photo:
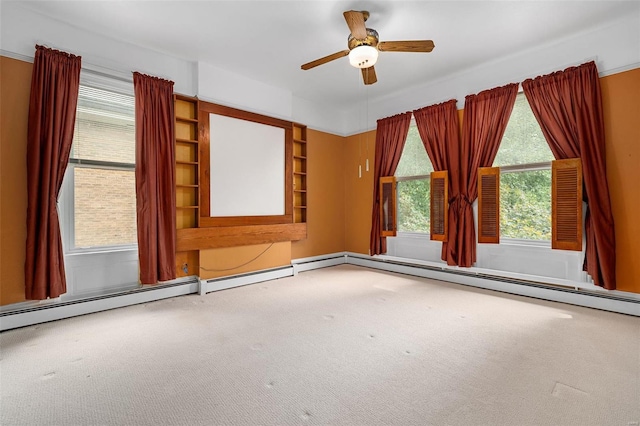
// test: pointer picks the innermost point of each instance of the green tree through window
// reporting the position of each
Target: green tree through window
(524, 159)
(412, 177)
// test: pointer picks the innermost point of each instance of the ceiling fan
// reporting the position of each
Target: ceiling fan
(364, 46)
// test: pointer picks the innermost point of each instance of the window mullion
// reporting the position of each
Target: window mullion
(102, 164)
(530, 167)
(408, 178)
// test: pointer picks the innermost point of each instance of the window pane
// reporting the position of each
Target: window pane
(414, 160)
(104, 207)
(523, 142)
(104, 128)
(413, 205)
(525, 205)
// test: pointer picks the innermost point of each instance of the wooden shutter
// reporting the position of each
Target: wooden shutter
(439, 205)
(566, 204)
(489, 205)
(388, 199)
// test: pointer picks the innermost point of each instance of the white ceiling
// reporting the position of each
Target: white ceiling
(269, 40)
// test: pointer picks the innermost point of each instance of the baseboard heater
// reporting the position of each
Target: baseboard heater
(30, 313)
(590, 299)
(223, 283)
(317, 262)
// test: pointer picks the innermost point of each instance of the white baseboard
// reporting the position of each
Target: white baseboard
(28, 313)
(223, 283)
(55, 310)
(317, 262)
(608, 301)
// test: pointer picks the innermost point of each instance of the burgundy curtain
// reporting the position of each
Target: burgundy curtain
(52, 115)
(391, 134)
(568, 107)
(155, 178)
(485, 119)
(440, 133)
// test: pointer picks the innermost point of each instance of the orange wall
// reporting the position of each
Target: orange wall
(235, 260)
(325, 196)
(358, 191)
(621, 105)
(15, 84)
(339, 214)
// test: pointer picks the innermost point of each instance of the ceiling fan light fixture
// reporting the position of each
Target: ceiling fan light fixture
(363, 56)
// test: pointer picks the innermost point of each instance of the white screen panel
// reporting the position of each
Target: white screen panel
(247, 168)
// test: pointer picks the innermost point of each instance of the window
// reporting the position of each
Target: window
(412, 176)
(524, 159)
(99, 188)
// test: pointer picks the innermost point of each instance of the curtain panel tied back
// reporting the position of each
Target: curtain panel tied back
(485, 120)
(568, 107)
(55, 83)
(439, 130)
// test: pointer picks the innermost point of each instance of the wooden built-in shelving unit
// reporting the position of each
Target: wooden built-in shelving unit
(187, 148)
(299, 173)
(196, 229)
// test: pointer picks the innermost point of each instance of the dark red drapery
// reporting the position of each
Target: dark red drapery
(52, 114)
(440, 133)
(485, 119)
(568, 107)
(155, 178)
(391, 134)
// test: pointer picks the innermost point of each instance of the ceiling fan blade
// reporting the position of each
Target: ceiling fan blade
(406, 46)
(324, 60)
(369, 75)
(355, 21)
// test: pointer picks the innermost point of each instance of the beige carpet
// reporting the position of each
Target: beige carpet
(342, 345)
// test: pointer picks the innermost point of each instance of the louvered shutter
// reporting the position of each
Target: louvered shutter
(439, 205)
(489, 205)
(566, 204)
(388, 206)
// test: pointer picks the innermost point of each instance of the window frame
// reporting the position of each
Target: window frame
(400, 179)
(66, 198)
(518, 168)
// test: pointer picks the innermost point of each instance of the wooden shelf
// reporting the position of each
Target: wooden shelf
(187, 171)
(179, 140)
(187, 119)
(300, 173)
(187, 98)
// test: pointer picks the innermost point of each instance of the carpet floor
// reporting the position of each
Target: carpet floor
(337, 346)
